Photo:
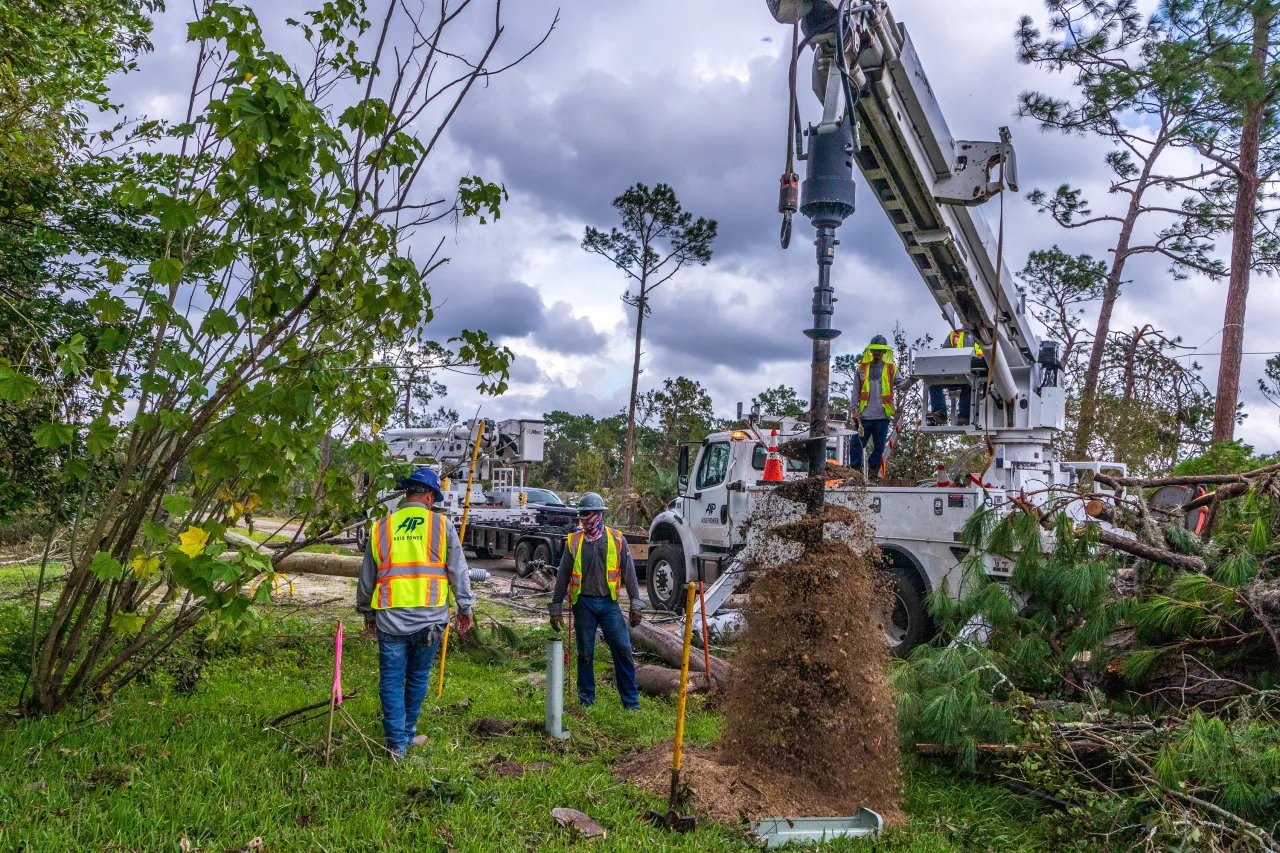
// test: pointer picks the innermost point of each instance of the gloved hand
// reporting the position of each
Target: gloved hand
(557, 624)
(371, 629)
(636, 618)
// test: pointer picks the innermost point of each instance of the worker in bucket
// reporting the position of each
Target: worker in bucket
(414, 560)
(595, 563)
(937, 397)
(877, 380)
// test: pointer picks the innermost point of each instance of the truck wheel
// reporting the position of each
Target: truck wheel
(524, 555)
(909, 624)
(543, 552)
(665, 576)
(362, 539)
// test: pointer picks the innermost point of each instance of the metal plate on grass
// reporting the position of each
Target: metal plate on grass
(777, 831)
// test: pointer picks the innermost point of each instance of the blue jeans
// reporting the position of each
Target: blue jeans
(938, 400)
(877, 431)
(593, 612)
(404, 673)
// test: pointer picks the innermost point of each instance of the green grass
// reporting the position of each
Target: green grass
(157, 765)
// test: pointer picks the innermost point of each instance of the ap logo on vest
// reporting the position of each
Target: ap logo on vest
(409, 525)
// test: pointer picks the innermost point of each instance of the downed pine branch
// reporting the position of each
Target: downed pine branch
(1134, 548)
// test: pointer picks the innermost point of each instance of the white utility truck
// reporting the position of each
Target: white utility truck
(880, 112)
(500, 451)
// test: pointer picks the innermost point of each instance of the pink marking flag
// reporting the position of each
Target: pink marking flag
(337, 666)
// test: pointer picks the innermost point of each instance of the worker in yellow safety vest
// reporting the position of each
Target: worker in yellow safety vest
(877, 380)
(414, 560)
(594, 565)
(938, 415)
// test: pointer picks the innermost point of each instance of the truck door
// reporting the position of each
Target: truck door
(710, 512)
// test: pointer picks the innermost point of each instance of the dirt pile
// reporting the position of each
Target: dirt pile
(731, 793)
(810, 695)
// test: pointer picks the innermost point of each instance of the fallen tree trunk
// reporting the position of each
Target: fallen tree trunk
(664, 681)
(330, 565)
(1188, 480)
(1009, 750)
(670, 649)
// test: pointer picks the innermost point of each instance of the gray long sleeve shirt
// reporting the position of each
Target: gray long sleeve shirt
(409, 620)
(595, 580)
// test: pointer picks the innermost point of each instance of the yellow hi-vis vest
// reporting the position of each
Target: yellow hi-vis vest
(887, 373)
(956, 340)
(409, 545)
(613, 566)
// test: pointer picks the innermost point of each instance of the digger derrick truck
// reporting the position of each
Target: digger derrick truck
(880, 113)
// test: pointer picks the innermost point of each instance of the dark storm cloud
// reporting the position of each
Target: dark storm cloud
(709, 329)
(502, 308)
(562, 332)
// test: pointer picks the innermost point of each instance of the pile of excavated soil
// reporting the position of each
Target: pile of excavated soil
(810, 696)
(731, 793)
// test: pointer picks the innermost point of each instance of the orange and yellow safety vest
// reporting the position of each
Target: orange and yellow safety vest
(956, 340)
(410, 547)
(886, 386)
(613, 564)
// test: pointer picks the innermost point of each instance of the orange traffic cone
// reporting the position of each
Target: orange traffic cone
(773, 463)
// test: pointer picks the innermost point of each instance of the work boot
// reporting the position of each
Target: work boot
(962, 421)
(419, 740)
(935, 419)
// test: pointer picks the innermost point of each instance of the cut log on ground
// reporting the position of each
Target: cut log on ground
(664, 681)
(669, 648)
(330, 565)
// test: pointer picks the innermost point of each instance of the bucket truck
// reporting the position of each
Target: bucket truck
(880, 113)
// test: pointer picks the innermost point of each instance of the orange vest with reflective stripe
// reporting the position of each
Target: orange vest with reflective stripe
(613, 565)
(410, 546)
(887, 373)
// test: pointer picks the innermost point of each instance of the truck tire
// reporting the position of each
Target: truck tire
(910, 624)
(543, 552)
(524, 555)
(665, 576)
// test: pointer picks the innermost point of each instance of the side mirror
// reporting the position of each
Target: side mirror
(682, 470)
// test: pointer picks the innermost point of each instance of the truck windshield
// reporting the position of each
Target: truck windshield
(761, 453)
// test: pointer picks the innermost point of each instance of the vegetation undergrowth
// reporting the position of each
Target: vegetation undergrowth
(183, 753)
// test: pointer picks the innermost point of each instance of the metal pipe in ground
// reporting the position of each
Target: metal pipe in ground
(555, 689)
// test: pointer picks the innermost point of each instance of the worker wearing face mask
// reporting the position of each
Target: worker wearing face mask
(595, 564)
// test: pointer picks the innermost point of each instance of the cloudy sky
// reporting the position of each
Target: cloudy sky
(693, 93)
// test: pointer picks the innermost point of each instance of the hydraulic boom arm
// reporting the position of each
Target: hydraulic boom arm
(928, 183)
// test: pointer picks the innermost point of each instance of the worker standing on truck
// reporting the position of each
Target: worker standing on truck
(414, 560)
(595, 563)
(877, 380)
(937, 398)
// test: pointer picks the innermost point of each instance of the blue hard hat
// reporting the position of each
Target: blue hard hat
(423, 477)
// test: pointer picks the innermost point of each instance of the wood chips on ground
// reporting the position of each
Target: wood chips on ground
(731, 793)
